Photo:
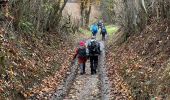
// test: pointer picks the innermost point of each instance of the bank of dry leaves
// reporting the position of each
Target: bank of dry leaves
(33, 66)
(138, 69)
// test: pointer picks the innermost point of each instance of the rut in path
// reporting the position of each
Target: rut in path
(85, 87)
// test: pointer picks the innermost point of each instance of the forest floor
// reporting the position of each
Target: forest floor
(131, 67)
(86, 87)
(141, 63)
(138, 68)
(33, 60)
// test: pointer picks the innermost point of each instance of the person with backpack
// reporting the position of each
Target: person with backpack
(94, 52)
(100, 23)
(81, 54)
(94, 29)
(103, 32)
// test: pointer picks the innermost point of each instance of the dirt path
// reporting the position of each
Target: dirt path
(86, 87)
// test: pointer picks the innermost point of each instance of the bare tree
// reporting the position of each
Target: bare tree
(42, 15)
(133, 15)
(85, 8)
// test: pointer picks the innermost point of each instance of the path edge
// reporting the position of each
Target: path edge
(65, 86)
(104, 80)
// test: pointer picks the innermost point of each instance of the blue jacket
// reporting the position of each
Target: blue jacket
(94, 28)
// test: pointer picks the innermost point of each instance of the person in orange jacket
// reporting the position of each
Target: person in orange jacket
(81, 54)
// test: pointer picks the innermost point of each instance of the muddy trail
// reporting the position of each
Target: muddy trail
(87, 86)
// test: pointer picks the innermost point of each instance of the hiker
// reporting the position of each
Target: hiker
(81, 54)
(103, 32)
(94, 29)
(100, 24)
(94, 52)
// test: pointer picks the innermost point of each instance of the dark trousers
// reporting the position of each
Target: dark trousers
(103, 36)
(93, 64)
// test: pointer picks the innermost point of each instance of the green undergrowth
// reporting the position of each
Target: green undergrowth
(85, 31)
(111, 29)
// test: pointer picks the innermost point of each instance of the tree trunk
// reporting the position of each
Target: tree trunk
(17, 14)
(82, 7)
(88, 16)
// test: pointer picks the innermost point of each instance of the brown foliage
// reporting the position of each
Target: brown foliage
(32, 65)
(142, 62)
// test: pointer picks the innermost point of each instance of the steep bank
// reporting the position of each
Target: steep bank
(141, 63)
(32, 65)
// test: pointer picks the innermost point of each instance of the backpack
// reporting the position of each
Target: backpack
(94, 48)
(82, 52)
(103, 30)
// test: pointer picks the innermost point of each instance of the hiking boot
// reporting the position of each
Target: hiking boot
(81, 73)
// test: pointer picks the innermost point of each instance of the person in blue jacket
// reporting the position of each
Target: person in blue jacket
(94, 29)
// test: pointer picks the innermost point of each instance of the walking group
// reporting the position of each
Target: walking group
(95, 27)
(90, 49)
